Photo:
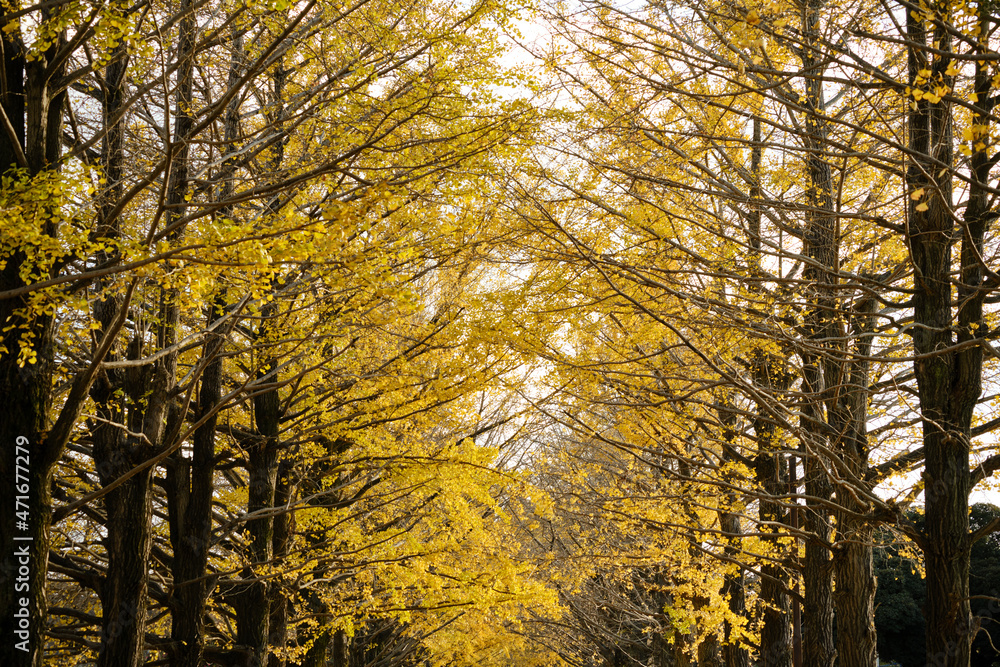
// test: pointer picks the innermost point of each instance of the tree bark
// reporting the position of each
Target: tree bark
(283, 528)
(854, 597)
(34, 112)
(190, 485)
(257, 599)
(819, 371)
(253, 599)
(949, 381)
(769, 375)
(776, 629)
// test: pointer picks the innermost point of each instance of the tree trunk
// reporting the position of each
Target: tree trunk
(191, 486)
(254, 612)
(776, 629)
(191, 483)
(855, 594)
(252, 607)
(253, 599)
(949, 381)
(817, 574)
(29, 457)
(819, 371)
(341, 649)
(768, 374)
(283, 527)
(124, 598)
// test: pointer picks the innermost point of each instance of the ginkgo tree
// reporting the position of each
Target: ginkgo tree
(747, 139)
(326, 336)
(242, 238)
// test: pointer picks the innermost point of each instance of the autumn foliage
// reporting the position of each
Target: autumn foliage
(425, 333)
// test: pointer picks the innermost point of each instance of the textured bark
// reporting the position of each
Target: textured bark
(855, 596)
(820, 372)
(124, 596)
(190, 483)
(341, 649)
(776, 629)
(769, 375)
(23, 422)
(255, 606)
(283, 528)
(34, 111)
(817, 575)
(949, 381)
(252, 607)
(253, 598)
(710, 652)
(855, 593)
(316, 655)
(124, 591)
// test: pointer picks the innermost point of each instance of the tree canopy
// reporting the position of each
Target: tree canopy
(591, 334)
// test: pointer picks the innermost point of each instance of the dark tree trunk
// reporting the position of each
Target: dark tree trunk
(253, 597)
(855, 594)
(31, 141)
(710, 652)
(283, 527)
(257, 597)
(129, 508)
(772, 380)
(124, 598)
(123, 590)
(817, 573)
(949, 381)
(341, 649)
(776, 628)
(316, 655)
(819, 371)
(252, 608)
(190, 485)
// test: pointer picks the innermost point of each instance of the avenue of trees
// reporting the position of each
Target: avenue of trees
(594, 334)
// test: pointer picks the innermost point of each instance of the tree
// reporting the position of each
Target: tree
(902, 594)
(261, 293)
(761, 135)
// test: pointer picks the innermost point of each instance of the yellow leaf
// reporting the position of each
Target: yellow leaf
(922, 207)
